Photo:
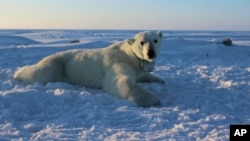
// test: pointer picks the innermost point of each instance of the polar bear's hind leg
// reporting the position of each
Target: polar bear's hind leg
(43, 72)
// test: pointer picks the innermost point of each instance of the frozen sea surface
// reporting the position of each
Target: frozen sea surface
(207, 88)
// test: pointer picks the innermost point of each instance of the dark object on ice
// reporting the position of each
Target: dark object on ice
(227, 42)
(75, 41)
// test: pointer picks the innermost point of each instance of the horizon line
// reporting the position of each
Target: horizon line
(116, 29)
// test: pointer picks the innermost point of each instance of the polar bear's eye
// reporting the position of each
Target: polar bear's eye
(155, 41)
(142, 43)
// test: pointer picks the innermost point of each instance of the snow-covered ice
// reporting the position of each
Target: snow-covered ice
(207, 88)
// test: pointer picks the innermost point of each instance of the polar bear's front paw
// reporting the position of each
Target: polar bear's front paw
(150, 78)
(148, 101)
(161, 81)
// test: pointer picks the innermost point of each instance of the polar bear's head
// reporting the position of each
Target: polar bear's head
(146, 45)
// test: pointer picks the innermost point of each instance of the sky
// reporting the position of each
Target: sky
(126, 14)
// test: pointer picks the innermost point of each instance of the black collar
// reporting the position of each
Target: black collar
(146, 65)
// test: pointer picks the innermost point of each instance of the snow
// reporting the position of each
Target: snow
(207, 88)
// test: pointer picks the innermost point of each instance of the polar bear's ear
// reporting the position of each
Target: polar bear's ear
(130, 41)
(160, 34)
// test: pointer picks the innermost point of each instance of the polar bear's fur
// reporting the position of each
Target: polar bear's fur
(115, 69)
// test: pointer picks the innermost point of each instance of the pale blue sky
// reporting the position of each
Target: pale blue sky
(126, 14)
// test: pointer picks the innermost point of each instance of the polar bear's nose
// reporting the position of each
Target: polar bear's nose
(151, 54)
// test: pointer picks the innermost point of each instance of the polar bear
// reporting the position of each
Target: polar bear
(116, 69)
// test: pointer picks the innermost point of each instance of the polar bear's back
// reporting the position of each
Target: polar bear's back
(89, 67)
(85, 68)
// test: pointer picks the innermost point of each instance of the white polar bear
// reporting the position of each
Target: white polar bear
(115, 69)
